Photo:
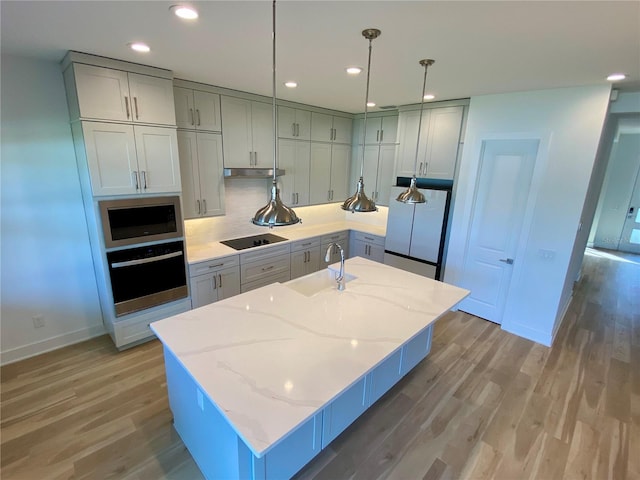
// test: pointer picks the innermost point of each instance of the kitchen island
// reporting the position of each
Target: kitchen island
(261, 382)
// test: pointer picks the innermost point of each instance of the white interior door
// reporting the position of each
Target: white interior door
(502, 190)
(630, 238)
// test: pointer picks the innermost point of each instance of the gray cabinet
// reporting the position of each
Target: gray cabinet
(247, 133)
(294, 157)
(265, 266)
(201, 173)
(377, 171)
(439, 142)
(305, 257)
(214, 280)
(197, 110)
(330, 128)
(329, 172)
(367, 246)
(294, 123)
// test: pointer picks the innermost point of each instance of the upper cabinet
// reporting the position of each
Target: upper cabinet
(197, 110)
(247, 132)
(380, 130)
(98, 93)
(295, 158)
(129, 159)
(439, 142)
(330, 128)
(294, 123)
(201, 173)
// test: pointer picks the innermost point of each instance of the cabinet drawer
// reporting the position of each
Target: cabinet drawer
(264, 281)
(253, 271)
(305, 244)
(264, 253)
(213, 265)
(415, 350)
(368, 237)
(335, 237)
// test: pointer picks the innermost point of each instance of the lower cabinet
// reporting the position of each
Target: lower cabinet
(368, 246)
(214, 280)
(264, 267)
(305, 257)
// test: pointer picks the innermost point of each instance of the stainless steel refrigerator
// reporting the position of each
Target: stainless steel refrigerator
(416, 234)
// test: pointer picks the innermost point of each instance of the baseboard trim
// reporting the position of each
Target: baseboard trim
(36, 348)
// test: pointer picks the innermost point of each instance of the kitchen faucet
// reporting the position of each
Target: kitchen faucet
(340, 276)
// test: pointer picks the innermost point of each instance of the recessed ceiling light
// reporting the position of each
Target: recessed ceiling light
(182, 11)
(139, 47)
(371, 104)
(614, 77)
(429, 97)
(290, 84)
(354, 70)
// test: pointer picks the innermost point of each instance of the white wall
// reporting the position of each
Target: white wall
(569, 123)
(46, 266)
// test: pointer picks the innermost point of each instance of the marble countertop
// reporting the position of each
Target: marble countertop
(213, 250)
(271, 358)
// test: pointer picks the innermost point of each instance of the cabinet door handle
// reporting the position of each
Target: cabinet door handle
(250, 159)
(220, 280)
(198, 115)
(126, 105)
(266, 269)
(198, 204)
(297, 199)
(420, 169)
(508, 261)
(216, 265)
(214, 283)
(381, 135)
(135, 179)
(135, 104)
(368, 238)
(293, 198)
(293, 129)
(204, 205)
(143, 174)
(191, 115)
(255, 158)
(297, 129)
(377, 135)
(426, 166)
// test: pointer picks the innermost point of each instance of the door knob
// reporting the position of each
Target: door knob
(508, 261)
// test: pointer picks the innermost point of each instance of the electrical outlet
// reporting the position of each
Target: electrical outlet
(38, 321)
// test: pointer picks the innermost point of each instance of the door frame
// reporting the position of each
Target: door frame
(464, 194)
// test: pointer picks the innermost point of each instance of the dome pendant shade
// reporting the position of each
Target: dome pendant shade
(411, 194)
(359, 202)
(275, 213)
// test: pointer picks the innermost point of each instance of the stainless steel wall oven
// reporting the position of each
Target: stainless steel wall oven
(152, 269)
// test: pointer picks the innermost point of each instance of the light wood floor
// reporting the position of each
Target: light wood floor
(484, 404)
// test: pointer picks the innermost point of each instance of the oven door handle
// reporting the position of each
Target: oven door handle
(130, 263)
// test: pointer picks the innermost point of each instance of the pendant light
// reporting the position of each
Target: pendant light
(359, 202)
(412, 194)
(275, 213)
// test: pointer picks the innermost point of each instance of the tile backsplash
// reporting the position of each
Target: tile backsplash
(244, 196)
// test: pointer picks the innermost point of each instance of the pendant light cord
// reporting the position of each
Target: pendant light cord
(366, 108)
(274, 114)
(424, 86)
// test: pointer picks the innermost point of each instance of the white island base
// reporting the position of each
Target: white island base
(260, 383)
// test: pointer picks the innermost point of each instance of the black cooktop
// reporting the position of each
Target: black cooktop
(253, 241)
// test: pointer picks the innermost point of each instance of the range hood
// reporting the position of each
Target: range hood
(252, 172)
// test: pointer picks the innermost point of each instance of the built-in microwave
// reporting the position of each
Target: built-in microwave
(130, 221)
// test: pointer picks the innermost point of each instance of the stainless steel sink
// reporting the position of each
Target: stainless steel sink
(317, 282)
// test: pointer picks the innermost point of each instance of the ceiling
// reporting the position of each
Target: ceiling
(480, 47)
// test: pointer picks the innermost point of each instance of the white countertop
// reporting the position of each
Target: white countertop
(214, 250)
(271, 358)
